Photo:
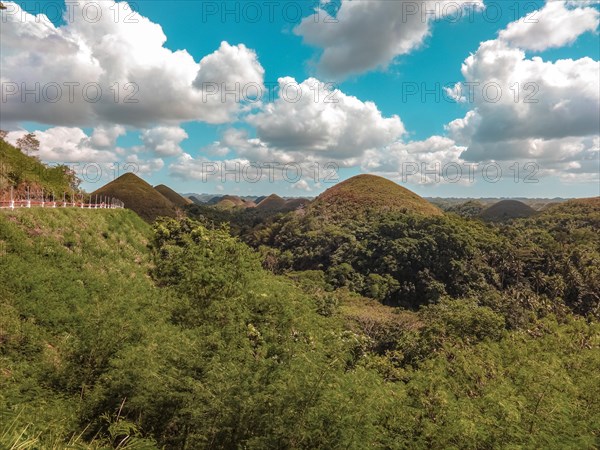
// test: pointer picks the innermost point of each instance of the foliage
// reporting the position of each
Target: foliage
(17, 170)
(540, 265)
(115, 334)
(28, 143)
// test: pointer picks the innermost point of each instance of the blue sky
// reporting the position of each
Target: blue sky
(405, 129)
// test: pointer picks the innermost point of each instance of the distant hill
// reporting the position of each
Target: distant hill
(173, 196)
(586, 205)
(293, 204)
(371, 193)
(196, 200)
(202, 198)
(506, 210)
(471, 208)
(272, 202)
(234, 202)
(138, 196)
(213, 200)
(577, 213)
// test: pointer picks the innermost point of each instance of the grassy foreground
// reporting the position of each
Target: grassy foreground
(116, 334)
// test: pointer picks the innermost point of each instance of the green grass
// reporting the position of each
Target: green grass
(70, 280)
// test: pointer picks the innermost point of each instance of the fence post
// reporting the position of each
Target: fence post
(12, 200)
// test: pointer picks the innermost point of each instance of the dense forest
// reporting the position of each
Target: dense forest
(330, 326)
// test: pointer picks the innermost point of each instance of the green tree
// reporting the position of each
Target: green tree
(28, 143)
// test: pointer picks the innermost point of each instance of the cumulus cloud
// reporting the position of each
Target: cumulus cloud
(526, 99)
(312, 118)
(302, 185)
(67, 144)
(163, 141)
(186, 167)
(106, 136)
(530, 108)
(555, 25)
(229, 65)
(95, 157)
(363, 35)
(144, 166)
(430, 161)
(113, 69)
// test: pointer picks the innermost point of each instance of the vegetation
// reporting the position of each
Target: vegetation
(470, 209)
(116, 333)
(28, 144)
(19, 172)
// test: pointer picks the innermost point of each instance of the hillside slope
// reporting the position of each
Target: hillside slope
(115, 334)
(139, 196)
(371, 194)
(173, 196)
(19, 171)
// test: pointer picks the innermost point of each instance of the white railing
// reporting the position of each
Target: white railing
(97, 202)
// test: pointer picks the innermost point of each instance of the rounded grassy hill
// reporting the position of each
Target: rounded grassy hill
(138, 196)
(372, 194)
(506, 210)
(272, 202)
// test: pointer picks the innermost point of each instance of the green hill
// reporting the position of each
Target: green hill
(371, 194)
(138, 196)
(507, 210)
(173, 196)
(19, 171)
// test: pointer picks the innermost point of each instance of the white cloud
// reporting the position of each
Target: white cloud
(230, 64)
(433, 160)
(555, 25)
(106, 136)
(555, 100)
(365, 35)
(535, 110)
(312, 119)
(164, 141)
(302, 185)
(141, 83)
(67, 144)
(186, 167)
(145, 166)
